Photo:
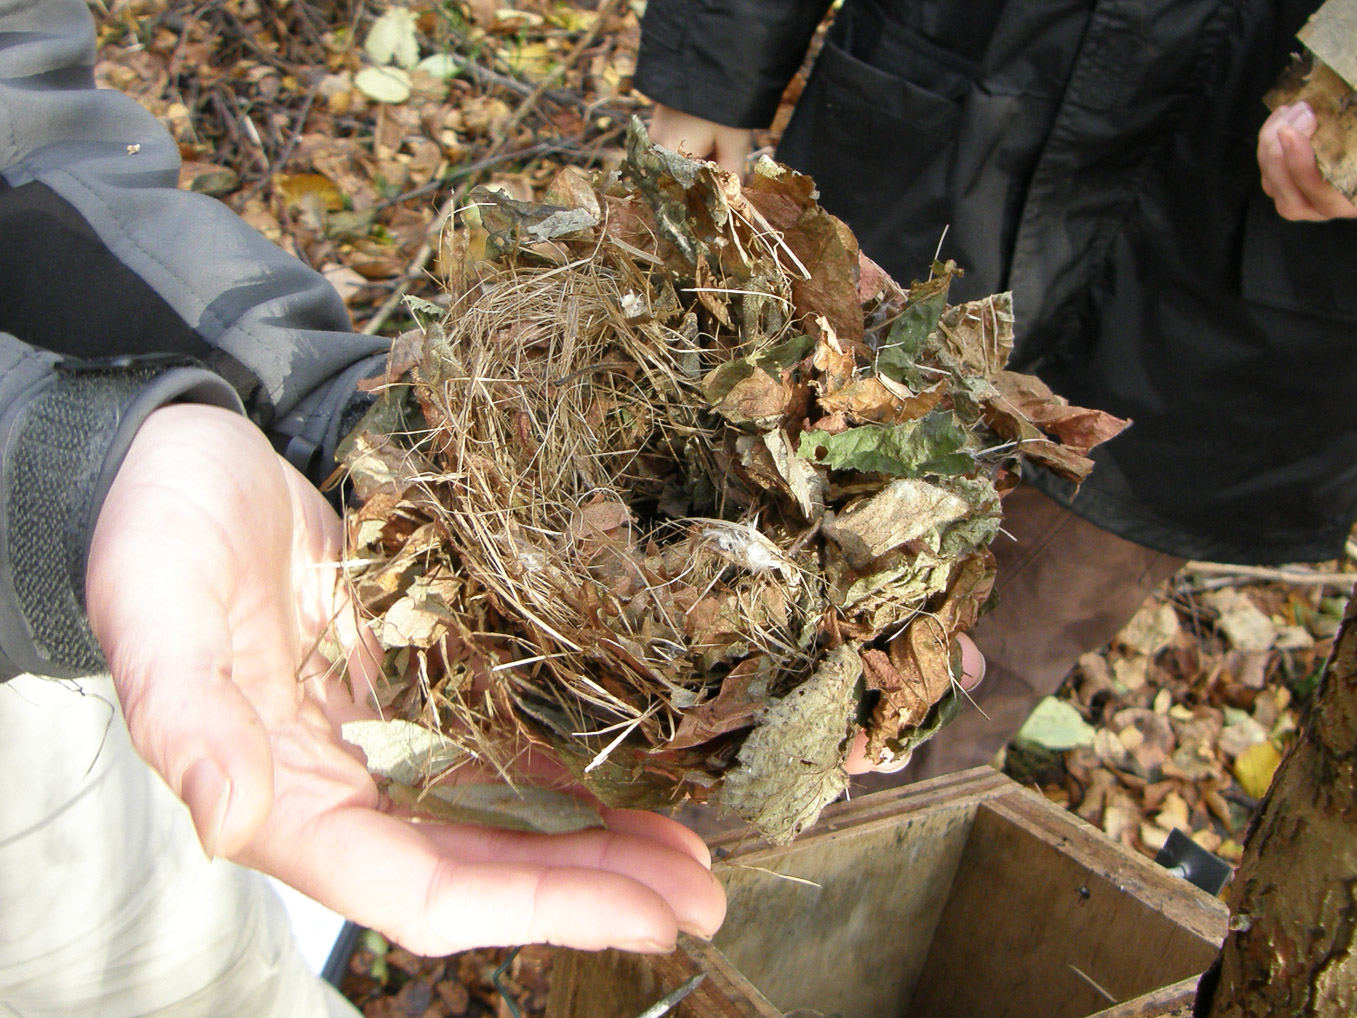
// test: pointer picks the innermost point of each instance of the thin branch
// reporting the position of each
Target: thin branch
(1298, 575)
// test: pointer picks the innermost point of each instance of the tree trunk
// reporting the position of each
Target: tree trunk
(1293, 901)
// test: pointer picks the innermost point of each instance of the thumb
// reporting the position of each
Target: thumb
(182, 585)
(208, 744)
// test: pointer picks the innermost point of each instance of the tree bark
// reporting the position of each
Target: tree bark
(1293, 901)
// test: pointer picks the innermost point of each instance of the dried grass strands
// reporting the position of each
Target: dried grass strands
(676, 475)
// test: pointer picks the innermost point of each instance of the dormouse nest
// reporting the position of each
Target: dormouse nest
(684, 491)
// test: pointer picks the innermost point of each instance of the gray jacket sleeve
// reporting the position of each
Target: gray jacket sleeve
(118, 294)
(727, 61)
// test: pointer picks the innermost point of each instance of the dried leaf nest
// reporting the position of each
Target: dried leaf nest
(682, 489)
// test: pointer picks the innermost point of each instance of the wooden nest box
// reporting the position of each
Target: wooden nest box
(966, 896)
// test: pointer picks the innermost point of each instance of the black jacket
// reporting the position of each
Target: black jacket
(118, 294)
(1096, 157)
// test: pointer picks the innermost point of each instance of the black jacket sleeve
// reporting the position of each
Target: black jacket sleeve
(727, 61)
(119, 294)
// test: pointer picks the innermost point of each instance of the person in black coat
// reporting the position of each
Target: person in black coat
(1173, 253)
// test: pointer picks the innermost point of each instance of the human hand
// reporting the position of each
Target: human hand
(972, 671)
(213, 576)
(728, 147)
(1290, 175)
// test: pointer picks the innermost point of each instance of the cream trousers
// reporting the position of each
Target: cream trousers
(108, 906)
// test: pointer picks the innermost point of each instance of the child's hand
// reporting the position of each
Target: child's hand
(728, 147)
(1290, 176)
(972, 671)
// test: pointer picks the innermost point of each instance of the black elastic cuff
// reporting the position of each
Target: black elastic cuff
(308, 436)
(65, 450)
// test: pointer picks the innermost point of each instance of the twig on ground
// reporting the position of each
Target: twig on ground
(487, 78)
(1299, 575)
(285, 153)
(468, 169)
(416, 268)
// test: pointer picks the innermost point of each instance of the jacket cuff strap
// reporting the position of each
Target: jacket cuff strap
(66, 447)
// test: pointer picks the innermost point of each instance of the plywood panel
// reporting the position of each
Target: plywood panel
(1048, 917)
(1183, 903)
(849, 931)
(839, 922)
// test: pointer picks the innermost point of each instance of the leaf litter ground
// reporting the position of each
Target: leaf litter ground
(1186, 720)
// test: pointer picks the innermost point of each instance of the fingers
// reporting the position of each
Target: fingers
(1273, 166)
(680, 131)
(659, 829)
(972, 663)
(728, 147)
(857, 762)
(732, 149)
(1289, 173)
(972, 674)
(1322, 201)
(437, 888)
(632, 846)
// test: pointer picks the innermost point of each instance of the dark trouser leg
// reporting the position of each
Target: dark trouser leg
(1066, 587)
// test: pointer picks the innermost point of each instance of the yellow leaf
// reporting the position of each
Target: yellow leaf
(532, 60)
(507, 20)
(1254, 767)
(572, 19)
(302, 188)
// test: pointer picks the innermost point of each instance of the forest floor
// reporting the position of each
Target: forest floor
(349, 131)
